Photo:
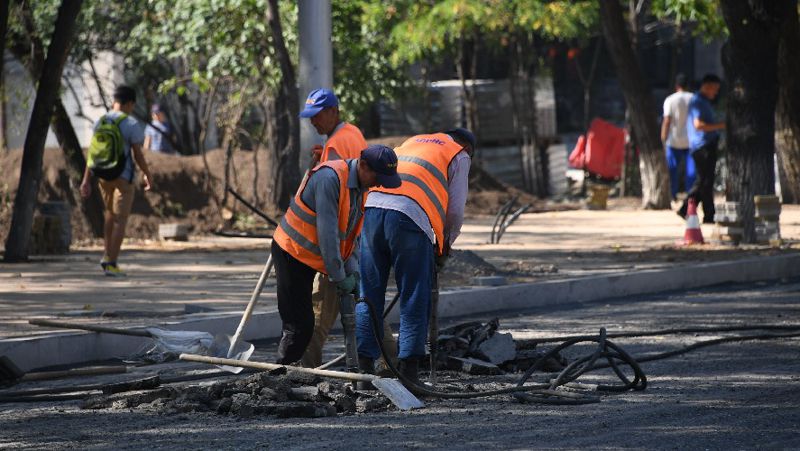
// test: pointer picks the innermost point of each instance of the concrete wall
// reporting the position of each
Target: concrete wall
(80, 96)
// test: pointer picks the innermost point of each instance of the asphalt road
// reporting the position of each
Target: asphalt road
(731, 396)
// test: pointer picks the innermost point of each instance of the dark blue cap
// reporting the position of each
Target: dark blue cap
(465, 135)
(318, 100)
(383, 161)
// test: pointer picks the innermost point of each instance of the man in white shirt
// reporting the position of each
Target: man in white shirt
(675, 137)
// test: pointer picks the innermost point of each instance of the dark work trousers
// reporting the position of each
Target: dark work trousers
(705, 161)
(295, 282)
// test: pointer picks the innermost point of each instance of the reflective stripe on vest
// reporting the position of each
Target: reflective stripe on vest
(422, 164)
(297, 232)
(345, 144)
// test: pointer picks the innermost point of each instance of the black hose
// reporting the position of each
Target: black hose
(674, 331)
(614, 356)
(542, 393)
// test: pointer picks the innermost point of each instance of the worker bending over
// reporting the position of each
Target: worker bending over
(318, 234)
(412, 228)
(344, 141)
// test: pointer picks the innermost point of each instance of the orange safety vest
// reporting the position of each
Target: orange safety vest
(346, 143)
(297, 232)
(422, 163)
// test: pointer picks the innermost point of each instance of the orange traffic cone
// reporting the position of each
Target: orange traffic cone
(693, 234)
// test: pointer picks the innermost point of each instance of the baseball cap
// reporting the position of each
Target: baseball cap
(156, 108)
(465, 134)
(318, 100)
(383, 161)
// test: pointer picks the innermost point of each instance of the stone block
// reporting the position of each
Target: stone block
(497, 349)
(174, 231)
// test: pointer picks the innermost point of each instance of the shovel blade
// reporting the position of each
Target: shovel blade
(220, 347)
(398, 393)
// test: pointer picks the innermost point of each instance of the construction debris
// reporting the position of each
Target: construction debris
(286, 395)
(479, 349)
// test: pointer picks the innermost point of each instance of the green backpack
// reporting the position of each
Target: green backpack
(107, 149)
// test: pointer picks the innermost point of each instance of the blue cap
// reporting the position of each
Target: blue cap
(383, 161)
(318, 100)
(464, 134)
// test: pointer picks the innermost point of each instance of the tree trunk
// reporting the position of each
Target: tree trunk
(750, 59)
(31, 54)
(655, 182)
(18, 241)
(4, 7)
(787, 116)
(285, 173)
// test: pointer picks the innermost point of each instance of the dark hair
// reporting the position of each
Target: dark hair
(710, 78)
(124, 94)
(680, 81)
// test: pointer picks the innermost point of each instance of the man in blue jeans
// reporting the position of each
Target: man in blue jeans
(675, 138)
(412, 228)
(703, 129)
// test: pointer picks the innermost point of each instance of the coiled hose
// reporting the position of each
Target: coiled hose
(539, 393)
(614, 357)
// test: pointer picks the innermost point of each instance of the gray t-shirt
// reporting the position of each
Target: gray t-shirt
(676, 108)
(132, 133)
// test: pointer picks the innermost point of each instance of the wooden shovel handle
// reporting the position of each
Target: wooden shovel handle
(89, 327)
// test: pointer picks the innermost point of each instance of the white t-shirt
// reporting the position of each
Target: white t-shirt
(676, 108)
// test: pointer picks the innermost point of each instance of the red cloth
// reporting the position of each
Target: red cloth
(602, 152)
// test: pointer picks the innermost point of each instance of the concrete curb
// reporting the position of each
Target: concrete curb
(75, 347)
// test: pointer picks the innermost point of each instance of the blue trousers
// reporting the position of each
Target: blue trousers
(674, 159)
(391, 239)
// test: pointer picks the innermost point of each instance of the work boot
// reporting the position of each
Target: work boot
(367, 366)
(409, 369)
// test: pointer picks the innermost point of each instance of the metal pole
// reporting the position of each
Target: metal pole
(316, 63)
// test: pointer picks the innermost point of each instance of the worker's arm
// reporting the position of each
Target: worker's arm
(457, 189)
(86, 184)
(665, 129)
(147, 141)
(138, 156)
(326, 204)
(703, 126)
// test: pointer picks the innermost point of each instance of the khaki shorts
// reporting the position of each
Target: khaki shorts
(117, 197)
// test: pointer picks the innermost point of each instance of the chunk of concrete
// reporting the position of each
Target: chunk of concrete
(497, 349)
(176, 232)
(305, 394)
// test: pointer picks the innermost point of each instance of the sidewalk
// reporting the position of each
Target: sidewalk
(166, 277)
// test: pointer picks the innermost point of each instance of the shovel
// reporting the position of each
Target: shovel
(391, 388)
(173, 341)
(227, 346)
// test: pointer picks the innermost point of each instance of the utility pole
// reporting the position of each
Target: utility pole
(316, 64)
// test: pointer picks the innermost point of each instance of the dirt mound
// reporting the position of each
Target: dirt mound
(181, 190)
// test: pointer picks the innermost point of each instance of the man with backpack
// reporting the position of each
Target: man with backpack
(116, 144)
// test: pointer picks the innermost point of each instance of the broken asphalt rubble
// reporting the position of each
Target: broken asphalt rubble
(474, 348)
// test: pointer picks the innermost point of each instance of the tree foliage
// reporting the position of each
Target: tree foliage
(702, 16)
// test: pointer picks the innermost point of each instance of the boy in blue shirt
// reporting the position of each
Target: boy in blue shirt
(703, 130)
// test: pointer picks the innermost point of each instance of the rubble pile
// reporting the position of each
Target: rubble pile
(276, 393)
(478, 348)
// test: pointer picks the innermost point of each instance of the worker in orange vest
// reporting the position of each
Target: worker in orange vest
(344, 141)
(318, 234)
(412, 228)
